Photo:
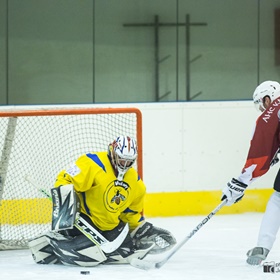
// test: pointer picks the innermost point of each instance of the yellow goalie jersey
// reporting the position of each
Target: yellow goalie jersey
(103, 198)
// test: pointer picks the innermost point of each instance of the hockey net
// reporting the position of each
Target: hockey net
(35, 146)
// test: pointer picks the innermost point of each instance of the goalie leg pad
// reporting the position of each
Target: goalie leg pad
(78, 250)
(66, 206)
(146, 233)
(42, 251)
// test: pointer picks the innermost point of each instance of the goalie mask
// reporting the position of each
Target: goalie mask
(267, 88)
(122, 153)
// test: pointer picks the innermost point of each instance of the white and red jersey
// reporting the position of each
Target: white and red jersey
(264, 144)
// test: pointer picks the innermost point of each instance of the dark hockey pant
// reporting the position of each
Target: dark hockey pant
(277, 182)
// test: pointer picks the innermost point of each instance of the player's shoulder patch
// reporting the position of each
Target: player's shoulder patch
(73, 170)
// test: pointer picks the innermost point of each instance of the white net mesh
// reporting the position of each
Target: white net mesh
(41, 146)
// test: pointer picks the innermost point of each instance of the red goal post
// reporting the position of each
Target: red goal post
(37, 144)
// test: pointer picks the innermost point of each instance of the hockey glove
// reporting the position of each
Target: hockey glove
(66, 207)
(233, 192)
(146, 232)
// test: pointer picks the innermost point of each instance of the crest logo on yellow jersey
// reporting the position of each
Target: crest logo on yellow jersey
(116, 195)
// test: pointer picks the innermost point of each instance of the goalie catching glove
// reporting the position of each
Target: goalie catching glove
(146, 232)
(233, 192)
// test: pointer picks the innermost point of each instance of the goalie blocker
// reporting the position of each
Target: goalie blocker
(66, 206)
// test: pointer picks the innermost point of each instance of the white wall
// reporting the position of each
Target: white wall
(194, 146)
(197, 146)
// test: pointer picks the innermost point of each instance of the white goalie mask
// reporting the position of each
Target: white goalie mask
(122, 153)
(267, 88)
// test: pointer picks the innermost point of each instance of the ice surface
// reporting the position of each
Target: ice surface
(216, 251)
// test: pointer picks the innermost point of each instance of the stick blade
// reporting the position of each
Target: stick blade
(142, 264)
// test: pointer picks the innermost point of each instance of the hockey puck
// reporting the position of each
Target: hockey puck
(85, 272)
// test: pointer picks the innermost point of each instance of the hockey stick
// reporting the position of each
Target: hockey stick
(143, 264)
(90, 232)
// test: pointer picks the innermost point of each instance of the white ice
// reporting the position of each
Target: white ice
(216, 251)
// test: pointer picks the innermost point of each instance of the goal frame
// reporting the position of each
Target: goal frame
(80, 111)
(16, 113)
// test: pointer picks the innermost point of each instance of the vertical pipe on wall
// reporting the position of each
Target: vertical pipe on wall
(258, 41)
(188, 87)
(7, 52)
(157, 58)
(177, 50)
(276, 36)
(93, 51)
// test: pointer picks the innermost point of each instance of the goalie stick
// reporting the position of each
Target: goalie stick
(144, 264)
(90, 232)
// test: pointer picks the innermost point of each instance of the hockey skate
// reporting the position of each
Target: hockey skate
(257, 255)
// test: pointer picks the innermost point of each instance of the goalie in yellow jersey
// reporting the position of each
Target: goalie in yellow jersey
(98, 212)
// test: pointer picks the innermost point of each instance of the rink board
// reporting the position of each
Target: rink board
(156, 205)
